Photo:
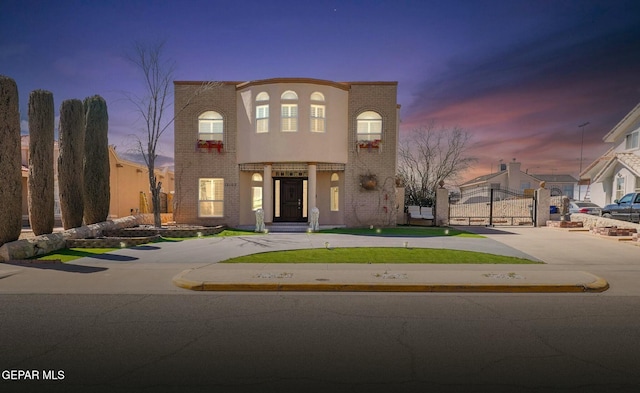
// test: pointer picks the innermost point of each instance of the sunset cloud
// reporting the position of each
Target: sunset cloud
(528, 100)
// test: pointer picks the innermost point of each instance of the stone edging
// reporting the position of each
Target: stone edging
(111, 242)
(44, 244)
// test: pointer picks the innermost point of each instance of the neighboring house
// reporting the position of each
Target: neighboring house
(617, 172)
(128, 181)
(558, 185)
(511, 178)
(286, 146)
(129, 187)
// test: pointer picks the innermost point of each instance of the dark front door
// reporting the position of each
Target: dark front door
(290, 200)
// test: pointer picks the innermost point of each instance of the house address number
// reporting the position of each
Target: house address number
(230, 184)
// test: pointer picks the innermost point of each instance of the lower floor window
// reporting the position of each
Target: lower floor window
(335, 206)
(211, 198)
(256, 198)
(334, 199)
(620, 191)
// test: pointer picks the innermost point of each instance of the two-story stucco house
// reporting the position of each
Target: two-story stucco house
(617, 172)
(286, 146)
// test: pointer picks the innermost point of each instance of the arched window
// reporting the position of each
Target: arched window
(210, 126)
(369, 126)
(335, 192)
(289, 111)
(318, 113)
(262, 112)
(256, 191)
(289, 95)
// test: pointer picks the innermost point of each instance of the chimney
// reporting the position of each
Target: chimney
(513, 174)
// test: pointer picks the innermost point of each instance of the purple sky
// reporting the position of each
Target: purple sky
(519, 75)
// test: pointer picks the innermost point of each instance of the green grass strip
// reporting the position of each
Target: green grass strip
(378, 255)
(236, 232)
(69, 254)
(403, 231)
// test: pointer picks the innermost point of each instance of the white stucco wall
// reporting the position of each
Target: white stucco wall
(302, 145)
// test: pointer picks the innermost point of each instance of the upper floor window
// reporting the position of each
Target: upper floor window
(262, 112)
(369, 126)
(289, 111)
(289, 95)
(318, 119)
(210, 126)
(632, 140)
(318, 113)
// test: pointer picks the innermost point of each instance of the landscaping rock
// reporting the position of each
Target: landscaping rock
(43, 244)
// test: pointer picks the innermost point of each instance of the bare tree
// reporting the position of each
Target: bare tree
(10, 168)
(96, 161)
(428, 156)
(158, 77)
(70, 162)
(41, 176)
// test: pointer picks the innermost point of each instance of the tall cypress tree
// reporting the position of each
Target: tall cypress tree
(41, 177)
(10, 162)
(96, 160)
(70, 163)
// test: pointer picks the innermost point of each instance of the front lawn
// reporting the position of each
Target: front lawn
(378, 255)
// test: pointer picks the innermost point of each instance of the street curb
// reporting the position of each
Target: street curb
(598, 285)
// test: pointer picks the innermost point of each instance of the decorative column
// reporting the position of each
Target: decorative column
(267, 194)
(543, 198)
(311, 191)
(442, 206)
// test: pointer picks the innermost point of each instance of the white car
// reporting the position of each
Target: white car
(585, 208)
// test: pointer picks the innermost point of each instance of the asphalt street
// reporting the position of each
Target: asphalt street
(275, 342)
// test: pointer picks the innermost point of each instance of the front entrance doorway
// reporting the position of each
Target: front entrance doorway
(290, 202)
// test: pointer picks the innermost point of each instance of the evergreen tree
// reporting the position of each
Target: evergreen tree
(10, 162)
(41, 176)
(70, 163)
(96, 160)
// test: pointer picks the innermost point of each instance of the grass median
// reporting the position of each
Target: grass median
(378, 255)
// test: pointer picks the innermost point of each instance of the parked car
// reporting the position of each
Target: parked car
(627, 208)
(585, 208)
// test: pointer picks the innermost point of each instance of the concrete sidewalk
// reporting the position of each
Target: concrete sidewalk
(384, 278)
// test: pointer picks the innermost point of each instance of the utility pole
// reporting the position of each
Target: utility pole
(581, 126)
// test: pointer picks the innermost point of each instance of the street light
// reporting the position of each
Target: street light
(581, 126)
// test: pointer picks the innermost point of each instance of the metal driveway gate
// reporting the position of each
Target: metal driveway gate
(491, 207)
